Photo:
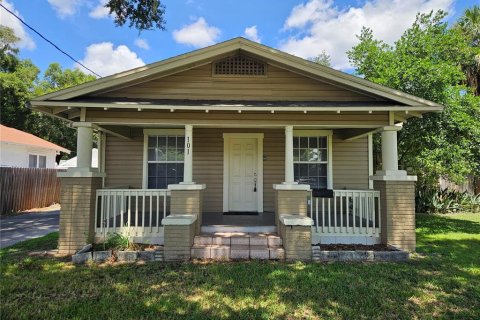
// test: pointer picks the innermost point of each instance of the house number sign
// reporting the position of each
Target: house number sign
(188, 145)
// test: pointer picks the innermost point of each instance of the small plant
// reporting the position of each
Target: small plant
(446, 201)
(117, 241)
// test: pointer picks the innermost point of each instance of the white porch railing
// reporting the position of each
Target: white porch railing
(348, 213)
(135, 213)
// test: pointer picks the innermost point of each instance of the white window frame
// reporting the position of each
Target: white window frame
(155, 132)
(321, 133)
(37, 155)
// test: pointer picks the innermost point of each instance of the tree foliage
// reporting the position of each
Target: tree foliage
(323, 59)
(141, 14)
(427, 62)
(469, 26)
(19, 83)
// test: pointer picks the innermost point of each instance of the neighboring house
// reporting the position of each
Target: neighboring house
(72, 162)
(236, 128)
(24, 150)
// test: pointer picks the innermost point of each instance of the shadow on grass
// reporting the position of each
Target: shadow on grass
(443, 283)
(437, 224)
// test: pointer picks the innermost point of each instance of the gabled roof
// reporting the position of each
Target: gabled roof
(14, 136)
(205, 55)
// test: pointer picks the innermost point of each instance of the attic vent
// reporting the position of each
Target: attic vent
(240, 65)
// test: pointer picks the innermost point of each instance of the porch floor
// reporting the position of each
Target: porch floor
(218, 222)
(218, 218)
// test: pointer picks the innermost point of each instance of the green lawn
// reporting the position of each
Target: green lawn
(441, 281)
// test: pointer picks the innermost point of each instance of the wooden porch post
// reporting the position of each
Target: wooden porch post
(289, 177)
(188, 156)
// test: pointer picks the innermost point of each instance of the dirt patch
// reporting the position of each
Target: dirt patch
(355, 247)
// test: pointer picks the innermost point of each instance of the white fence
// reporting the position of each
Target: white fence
(352, 214)
(135, 213)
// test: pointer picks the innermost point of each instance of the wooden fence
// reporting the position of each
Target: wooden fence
(27, 188)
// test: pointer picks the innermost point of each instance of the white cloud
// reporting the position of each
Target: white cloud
(142, 43)
(100, 11)
(198, 34)
(323, 26)
(65, 8)
(105, 60)
(6, 19)
(252, 34)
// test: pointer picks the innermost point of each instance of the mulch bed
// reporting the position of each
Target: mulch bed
(355, 247)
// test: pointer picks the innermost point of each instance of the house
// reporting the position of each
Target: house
(72, 162)
(24, 150)
(236, 128)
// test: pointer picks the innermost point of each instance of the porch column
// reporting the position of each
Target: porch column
(291, 209)
(84, 144)
(289, 178)
(78, 195)
(397, 196)
(389, 150)
(188, 155)
(186, 198)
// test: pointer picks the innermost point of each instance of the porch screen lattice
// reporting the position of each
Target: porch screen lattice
(240, 65)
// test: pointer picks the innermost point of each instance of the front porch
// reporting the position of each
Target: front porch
(349, 217)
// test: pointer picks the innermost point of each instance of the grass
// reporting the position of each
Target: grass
(441, 281)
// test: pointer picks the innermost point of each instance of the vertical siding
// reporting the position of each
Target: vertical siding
(350, 163)
(124, 163)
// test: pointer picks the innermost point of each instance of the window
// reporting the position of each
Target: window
(37, 161)
(165, 161)
(310, 161)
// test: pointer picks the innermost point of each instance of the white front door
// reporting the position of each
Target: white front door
(243, 174)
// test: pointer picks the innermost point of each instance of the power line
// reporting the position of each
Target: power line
(53, 44)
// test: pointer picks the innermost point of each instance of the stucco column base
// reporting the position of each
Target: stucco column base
(296, 234)
(290, 199)
(77, 217)
(187, 199)
(179, 232)
(397, 201)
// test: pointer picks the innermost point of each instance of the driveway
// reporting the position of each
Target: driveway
(27, 226)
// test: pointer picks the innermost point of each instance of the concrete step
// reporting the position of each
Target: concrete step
(238, 246)
(238, 238)
(246, 229)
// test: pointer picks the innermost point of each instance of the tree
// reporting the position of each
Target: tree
(55, 78)
(427, 62)
(323, 59)
(19, 83)
(142, 14)
(469, 25)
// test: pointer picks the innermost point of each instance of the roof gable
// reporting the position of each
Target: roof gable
(225, 49)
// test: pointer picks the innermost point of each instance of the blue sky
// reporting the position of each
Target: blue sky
(303, 28)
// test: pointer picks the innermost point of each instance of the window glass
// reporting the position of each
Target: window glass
(310, 157)
(32, 161)
(42, 161)
(165, 161)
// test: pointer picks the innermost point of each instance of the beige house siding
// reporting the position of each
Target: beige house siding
(199, 84)
(350, 163)
(124, 163)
